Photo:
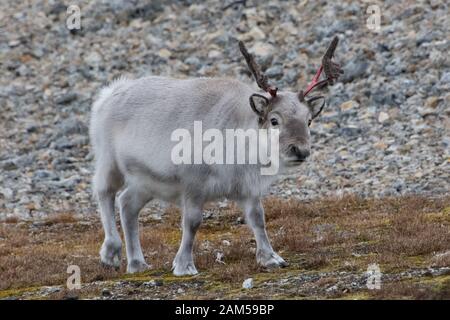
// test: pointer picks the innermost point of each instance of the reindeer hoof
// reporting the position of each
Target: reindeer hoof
(135, 266)
(271, 260)
(182, 267)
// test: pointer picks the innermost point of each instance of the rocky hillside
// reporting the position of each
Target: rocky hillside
(385, 131)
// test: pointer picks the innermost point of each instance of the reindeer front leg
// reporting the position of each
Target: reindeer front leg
(254, 215)
(183, 264)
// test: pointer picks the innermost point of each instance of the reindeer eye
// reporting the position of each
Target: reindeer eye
(274, 121)
(309, 122)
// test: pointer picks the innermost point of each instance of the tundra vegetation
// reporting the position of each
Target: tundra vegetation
(328, 244)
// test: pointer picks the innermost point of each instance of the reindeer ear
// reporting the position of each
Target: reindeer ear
(259, 104)
(315, 105)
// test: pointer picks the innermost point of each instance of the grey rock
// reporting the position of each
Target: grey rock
(445, 78)
(395, 67)
(194, 61)
(66, 98)
(351, 131)
(73, 125)
(248, 283)
(8, 165)
(154, 283)
(354, 69)
(275, 72)
(291, 76)
(45, 174)
(106, 292)
(23, 71)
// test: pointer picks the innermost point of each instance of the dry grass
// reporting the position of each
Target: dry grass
(11, 220)
(416, 291)
(332, 234)
(60, 218)
(32, 256)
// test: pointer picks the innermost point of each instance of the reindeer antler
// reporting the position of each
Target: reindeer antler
(260, 77)
(332, 70)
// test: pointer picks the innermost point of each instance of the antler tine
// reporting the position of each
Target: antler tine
(260, 77)
(332, 70)
(331, 48)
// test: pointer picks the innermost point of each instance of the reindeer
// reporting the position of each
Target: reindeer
(130, 129)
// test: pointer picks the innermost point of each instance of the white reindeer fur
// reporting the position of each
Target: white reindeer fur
(130, 129)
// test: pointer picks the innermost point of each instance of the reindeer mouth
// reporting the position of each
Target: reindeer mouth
(294, 163)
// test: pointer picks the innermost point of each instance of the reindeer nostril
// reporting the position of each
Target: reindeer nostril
(301, 154)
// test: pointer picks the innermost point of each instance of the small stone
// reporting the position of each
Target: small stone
(180, 290)
(380, 145)
(164, 53)
(395, 67)
(223, 204)
(290, 28)
(351, 130)
(158, 282)
(437, 58)
(182, 67)
(291, 76)
(8, 165)
(7, 193)
(13, 43)
(219, 257)
(355, 69)
(382, 117)
(349, 105)
(23, 71)
(71, 295)
(434, 4)
(442, 254)
(66, 98)
(214, 54)
(445, 78)
(275, 72)
(154, 283)
(51, 290)
(256, 33)
(263, 49)
(424, 112)
(207, 215)
(73, 125)
(432, 102)
(418, 174)
(156, 216)
(106, 292)
(193, 61)
(248, 283)
(226, 243)
(332, 288)
(93, 59)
